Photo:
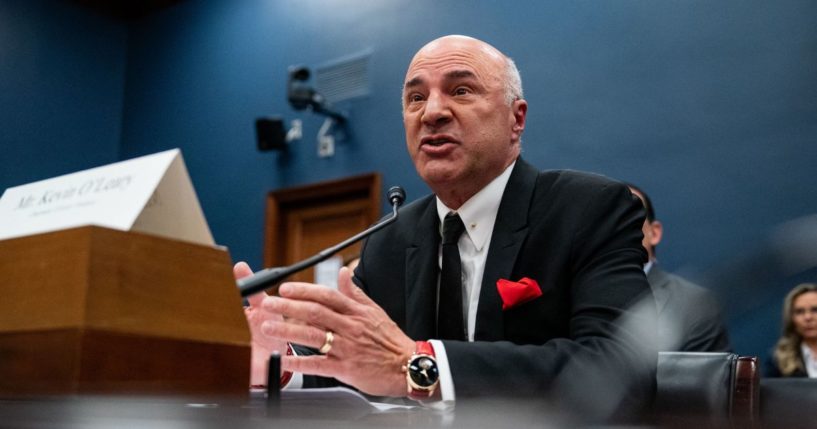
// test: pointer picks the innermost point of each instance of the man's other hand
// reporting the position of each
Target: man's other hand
(262, 345)
(368, 349)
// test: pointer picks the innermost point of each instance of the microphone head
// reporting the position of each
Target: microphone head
(396, 195)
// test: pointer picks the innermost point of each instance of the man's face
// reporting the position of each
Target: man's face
(459, 127)
(804, 315)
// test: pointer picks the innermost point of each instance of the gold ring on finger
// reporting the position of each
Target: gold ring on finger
(327, 344)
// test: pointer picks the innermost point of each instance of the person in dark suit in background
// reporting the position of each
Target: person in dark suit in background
(795, 354)
(543, 297)
(689, 317)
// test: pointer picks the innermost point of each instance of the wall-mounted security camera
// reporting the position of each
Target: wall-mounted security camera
(299, 93)
(271, 134)
(302, 95)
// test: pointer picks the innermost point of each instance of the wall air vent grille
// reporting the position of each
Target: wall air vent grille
(344, 79)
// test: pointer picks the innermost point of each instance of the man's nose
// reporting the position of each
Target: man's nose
(437, 111)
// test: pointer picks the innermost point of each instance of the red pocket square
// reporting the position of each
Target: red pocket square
(516, 293)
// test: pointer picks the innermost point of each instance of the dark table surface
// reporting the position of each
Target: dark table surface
(294, 410)
(785, 403)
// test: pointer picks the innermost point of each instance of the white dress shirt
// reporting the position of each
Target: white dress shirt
(648, 266)
(809, 359)
(479, 215)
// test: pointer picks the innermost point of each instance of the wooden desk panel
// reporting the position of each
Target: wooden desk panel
(93, 310)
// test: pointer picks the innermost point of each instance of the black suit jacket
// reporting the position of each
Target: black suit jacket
(689, 318)
(579, 236)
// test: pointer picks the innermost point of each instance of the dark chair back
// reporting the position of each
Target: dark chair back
(717, 390)
(788, 403)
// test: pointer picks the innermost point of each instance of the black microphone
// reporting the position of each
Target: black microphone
(270, 277)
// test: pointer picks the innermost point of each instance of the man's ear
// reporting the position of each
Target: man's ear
(657, 231)
(520, 112)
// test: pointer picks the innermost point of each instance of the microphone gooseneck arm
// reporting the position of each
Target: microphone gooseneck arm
(270, 277)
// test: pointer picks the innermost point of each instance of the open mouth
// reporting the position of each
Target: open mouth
(437, 141)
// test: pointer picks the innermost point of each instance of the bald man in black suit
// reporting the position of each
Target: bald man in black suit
(550, 299)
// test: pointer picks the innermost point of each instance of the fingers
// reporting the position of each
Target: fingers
(241, 270)
(345, 284)
(309, 336)
(256, 300)
(320, 294)
(345, 302)
(310, 312)
(348, 288)
(367, 348)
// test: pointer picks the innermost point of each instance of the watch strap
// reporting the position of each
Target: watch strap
(422, 348)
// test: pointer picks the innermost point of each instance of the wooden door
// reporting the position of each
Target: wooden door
(304, 220)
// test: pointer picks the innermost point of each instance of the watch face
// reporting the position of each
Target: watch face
(423, 371)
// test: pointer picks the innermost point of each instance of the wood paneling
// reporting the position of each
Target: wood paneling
(304, 220)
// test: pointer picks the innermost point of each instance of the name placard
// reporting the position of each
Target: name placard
(151, 194)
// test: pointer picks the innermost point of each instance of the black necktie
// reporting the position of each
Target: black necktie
(450, 311)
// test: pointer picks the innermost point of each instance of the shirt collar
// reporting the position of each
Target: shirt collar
(648, 266)
(806, 351)
(479, 212)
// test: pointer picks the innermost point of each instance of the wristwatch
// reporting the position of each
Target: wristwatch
(422, 374)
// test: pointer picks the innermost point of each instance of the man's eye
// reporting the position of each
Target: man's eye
(413, 98)
(461, 90)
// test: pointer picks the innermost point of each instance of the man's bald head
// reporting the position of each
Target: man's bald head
(510, 78)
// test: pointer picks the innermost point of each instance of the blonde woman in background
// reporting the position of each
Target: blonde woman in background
(795, 354)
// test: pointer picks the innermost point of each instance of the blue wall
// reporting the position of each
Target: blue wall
(709, 106)
(62, 80)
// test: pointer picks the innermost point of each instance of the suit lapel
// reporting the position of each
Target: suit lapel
(509, 234)
(421, 275)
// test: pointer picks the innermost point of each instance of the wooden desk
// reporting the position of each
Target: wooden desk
(94, 310)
